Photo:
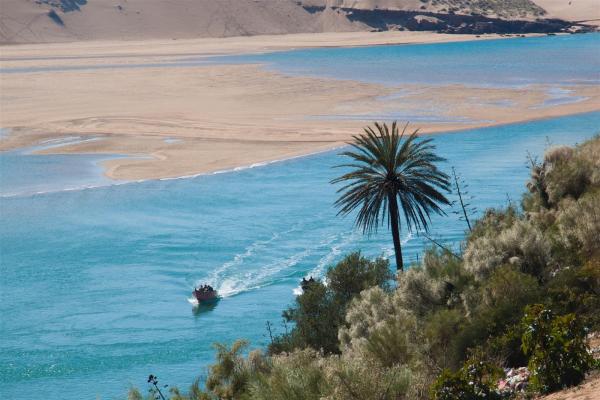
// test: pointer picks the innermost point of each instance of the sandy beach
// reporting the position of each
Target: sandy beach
(185, 120)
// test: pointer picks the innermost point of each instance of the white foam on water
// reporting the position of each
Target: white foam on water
(57, 143)
(63, 141)
(297, 291)
(193, 301)
(249, 251)
(238, 282)
(229, 283)
(347, 239)
(245, 167)
(388, 251)
(335, 250)
(251, 280)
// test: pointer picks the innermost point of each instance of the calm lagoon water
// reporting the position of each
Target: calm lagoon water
(95, 282)
(554, 60)
(22, 172)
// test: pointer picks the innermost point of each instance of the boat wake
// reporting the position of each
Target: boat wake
(257, 266)
(256, 279)
(231, 279)
(348, 238)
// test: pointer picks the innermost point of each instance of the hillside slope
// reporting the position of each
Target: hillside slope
(491, 8)
(27, 21)
(572, 10)
(70, 20)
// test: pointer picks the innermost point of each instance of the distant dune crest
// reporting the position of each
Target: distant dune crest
(27, 21)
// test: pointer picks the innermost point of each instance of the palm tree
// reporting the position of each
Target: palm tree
(390, 168)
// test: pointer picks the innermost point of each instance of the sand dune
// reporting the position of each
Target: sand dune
(26, 21)
(32, 21)
(572, 10)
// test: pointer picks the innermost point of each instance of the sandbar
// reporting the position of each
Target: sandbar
(186, 120)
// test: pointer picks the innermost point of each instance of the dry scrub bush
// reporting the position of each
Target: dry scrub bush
(307, 375)
(590, 151)
(506, 286)
(579, 224)
(419, 292)
(523, 245)
(492, 222)
(377, 326)
(558, 153)
(565, 172)
(294, 376)
(230, 375)
(569, 177)
(380, 331)
(365, 379)
(371, 309)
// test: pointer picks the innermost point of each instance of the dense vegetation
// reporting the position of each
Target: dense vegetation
(523, 292)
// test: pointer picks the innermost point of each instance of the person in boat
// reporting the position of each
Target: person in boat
(305, 284)
(204, 289)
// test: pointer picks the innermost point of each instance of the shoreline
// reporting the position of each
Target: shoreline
(258, 164)
(204, 118)
(239, 45)
(334, 146)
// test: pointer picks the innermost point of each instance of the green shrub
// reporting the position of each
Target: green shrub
(355, 273)
(577, 290)
(317, 317)
(474, 381)
(447, 268)
(441, 330)
(319, 312)
(557, 350)
(491, 307)
(370, 309)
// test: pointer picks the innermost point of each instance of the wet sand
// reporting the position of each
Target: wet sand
(187, 120)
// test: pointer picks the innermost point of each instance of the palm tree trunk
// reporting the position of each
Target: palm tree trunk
(394, 222)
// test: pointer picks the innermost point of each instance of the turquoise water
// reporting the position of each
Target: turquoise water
(555, 60)
(24, 173)
(95, 282)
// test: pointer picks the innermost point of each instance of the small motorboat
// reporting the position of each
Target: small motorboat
(205, 294)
